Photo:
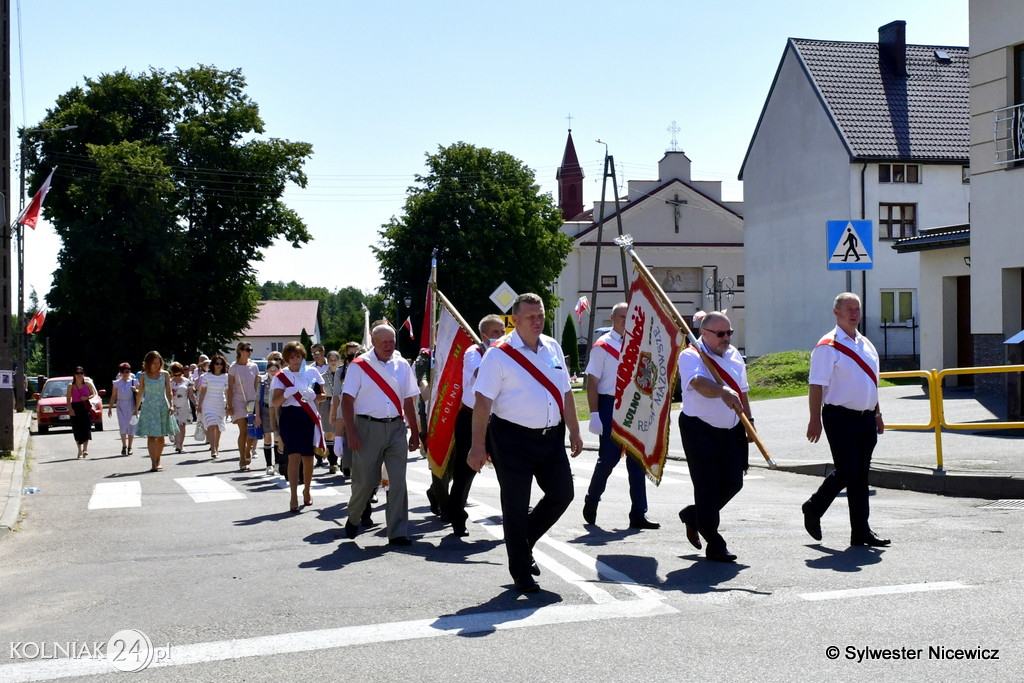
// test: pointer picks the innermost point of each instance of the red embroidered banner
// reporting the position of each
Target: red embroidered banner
(446, 391)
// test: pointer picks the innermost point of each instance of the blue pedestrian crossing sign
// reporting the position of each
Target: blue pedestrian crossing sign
(850, 245)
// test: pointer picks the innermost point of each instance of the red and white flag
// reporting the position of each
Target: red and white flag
(35, 323)
(446, 390)
(30, 214)
(581, 305)
(428, 310)
(648, 364)
(408, 325)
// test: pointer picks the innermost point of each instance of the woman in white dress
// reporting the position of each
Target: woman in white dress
(182, 395)
(212, 401)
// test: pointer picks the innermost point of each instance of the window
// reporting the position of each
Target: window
(740, 280)
(277, 346)
(609, 280)
(965, 175)
(896, 221)
(899, 173)
(897, 306)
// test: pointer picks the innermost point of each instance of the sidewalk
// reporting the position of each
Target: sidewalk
(12, 474)
(979, 464)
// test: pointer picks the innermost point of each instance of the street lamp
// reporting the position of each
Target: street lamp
(22, 336)
(716, 287)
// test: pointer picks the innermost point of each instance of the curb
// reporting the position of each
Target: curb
(11, 499)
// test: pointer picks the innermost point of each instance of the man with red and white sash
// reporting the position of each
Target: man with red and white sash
(379, 387)
(843, 398)
(602, 371)
(523, 407)
(714, 439)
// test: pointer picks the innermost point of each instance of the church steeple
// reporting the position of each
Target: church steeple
(570, 182)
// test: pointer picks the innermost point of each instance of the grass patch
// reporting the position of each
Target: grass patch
(779, 375)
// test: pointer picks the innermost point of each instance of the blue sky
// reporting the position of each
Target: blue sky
(376, 85)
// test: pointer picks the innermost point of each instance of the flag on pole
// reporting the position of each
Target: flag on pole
(581, 305)
(446, 390)
(647, 373)
(428, 318)
(366, 326)
(35, 323)
(30, 214)
(408, 325)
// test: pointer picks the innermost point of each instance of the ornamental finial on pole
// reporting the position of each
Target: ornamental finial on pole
(624, 241)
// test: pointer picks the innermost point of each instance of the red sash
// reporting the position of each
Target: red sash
(372, 373)
(313, 415)
(518, 357)
(844, 349)
(726, 377)
(612, 351)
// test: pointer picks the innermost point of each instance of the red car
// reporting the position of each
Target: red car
(52, 408)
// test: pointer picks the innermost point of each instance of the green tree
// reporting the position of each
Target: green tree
(164, 198)
(570, 347)
(483, 212)
(307, 343)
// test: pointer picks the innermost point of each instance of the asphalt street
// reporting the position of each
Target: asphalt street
(208, 563)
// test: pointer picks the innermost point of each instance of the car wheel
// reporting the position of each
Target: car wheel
(98, 426)
(42, 429)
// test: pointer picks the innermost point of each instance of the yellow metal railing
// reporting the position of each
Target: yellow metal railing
(935, 400)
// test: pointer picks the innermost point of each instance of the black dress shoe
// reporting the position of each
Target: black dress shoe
(871, 539)
(691, 530)
(643, 523)
(434, 507)
(346, 472)
(589, 511)
(400, 540)
(534, 568)
(459, 530)
(812, 521)
(721, 556)
(527, 585)
(351, 530)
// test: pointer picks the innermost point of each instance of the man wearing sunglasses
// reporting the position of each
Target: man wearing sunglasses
(714, 439)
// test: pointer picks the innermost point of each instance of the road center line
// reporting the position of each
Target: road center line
(884, 590)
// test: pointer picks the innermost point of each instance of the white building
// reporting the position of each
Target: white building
(279, 322)
(850, 130)
(682, 230)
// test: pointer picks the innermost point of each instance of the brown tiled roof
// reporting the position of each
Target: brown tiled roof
(923, 116)
(284, 319)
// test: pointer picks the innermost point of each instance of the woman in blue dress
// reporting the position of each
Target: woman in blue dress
(122, 397)
(154, 407)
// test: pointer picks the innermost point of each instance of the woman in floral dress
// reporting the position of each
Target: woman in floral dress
(154, 407)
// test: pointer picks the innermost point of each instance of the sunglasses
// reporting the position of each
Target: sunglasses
(176, 374)
(723, 333)
(79, 373)
(246, 348)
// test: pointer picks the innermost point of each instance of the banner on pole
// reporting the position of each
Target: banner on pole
(646, 377)
(446, 390)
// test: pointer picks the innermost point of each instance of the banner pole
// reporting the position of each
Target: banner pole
(626, 243)
(458, 317)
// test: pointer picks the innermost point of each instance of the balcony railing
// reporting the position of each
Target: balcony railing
(1008, 129)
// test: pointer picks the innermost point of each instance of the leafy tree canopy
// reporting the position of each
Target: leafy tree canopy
(483, 212)
(164, 198)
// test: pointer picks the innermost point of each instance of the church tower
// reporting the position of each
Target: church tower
(570, 182)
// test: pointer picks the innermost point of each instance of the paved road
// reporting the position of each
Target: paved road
(208, 563)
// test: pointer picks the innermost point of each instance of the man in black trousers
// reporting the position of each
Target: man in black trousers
(523, 407)
(714, 439)
(843, 398)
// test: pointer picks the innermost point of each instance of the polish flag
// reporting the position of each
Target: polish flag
(408, 325)
(30, 214)
(35, 324)
(581, 305)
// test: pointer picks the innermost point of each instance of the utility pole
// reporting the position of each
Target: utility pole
(6, 396)
(609, 172)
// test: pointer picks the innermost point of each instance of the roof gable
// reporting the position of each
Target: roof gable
(284, 319)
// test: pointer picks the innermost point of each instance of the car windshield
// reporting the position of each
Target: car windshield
(55, 387)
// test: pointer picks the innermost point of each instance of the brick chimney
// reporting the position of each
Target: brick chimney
(892, 47)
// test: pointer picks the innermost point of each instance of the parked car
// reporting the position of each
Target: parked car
(52, 406)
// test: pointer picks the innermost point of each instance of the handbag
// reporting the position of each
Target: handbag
(251, 430)
(200, 432)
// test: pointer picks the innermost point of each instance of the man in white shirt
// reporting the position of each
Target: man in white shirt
(379, 388)
(843, 398)
(602, 371)
(714, 439)
(523, 406)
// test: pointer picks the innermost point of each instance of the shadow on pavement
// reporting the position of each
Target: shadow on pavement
(850, 560)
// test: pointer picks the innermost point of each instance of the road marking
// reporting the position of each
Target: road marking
(349, 636)
(118, 494)
(209, 489)
(884, 590)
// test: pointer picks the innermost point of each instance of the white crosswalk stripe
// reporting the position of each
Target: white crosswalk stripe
(209, 489)
(118, 494)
